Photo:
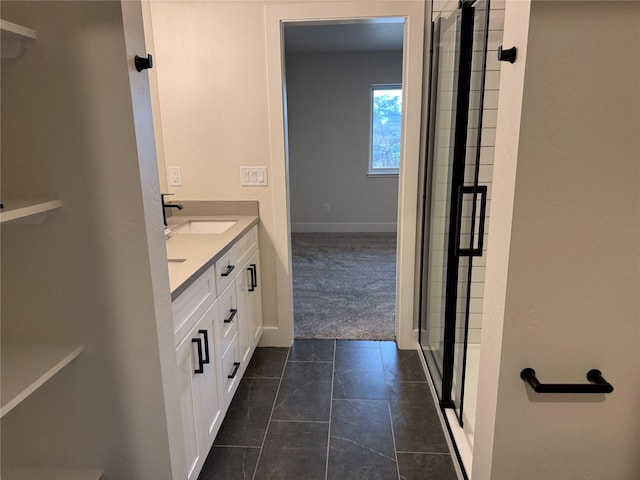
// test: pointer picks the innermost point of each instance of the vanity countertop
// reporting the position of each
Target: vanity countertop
(198, 251)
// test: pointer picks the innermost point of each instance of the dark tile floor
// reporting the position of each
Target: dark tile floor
(331, 409)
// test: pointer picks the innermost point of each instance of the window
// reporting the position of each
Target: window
(386, 121)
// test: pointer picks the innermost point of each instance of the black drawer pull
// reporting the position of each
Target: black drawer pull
(198, 343)
(206, 358)
(233, 314)
(228, 271)
(236, 366)
(598, 383)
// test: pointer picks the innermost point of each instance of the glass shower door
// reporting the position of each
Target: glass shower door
(472, 197)
(456, 204)
(444, 81)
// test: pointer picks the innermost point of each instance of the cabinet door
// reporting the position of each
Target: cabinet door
(209, 414)
(254, 303)
(243, 284)
(186, 356)
(199, 394)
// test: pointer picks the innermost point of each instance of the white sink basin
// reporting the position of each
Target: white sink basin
(174, 263)
(205, 226)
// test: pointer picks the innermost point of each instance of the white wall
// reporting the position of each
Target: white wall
(563, 271)
(328, 99)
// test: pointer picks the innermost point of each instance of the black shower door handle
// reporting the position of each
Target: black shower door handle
(476, 236)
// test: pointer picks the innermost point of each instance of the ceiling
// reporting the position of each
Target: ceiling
(383, 34)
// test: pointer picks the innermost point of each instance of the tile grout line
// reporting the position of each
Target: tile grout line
(309, 361)
(393, 431)
(393, 437)
(277, 420)
(333, 375)
(234, 446)
(273, 406)
(448, 454)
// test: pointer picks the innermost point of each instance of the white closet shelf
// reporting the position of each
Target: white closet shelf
(15, 208)
(13, 30)
(27, 366)
(14, 38)
(50, 474)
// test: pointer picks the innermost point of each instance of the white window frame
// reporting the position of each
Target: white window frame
(380, 172)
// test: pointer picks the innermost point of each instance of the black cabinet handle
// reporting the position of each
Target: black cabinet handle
(229, 319)
(228, 271)
(254, 277)
(206, 358)
(250, 270)
(200, 368)
(236, 366)
(598, 383)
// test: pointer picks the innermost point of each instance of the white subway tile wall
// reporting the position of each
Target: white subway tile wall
(489, 120)
(441, 170)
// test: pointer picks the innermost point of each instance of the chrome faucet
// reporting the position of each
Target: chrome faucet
(168, 205)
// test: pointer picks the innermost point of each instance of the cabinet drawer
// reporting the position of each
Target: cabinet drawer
(226, 324)
(226, 269)
(192, 303)
(246, 245)
(230, 371)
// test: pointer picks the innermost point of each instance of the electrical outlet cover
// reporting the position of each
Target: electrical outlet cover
(175, 176)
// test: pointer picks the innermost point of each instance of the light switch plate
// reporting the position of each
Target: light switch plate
(253, 176)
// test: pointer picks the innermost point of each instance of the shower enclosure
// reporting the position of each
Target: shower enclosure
(455, 202)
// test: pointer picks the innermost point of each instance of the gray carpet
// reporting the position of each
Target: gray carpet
(344, 285)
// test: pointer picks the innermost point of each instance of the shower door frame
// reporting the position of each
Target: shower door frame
(454, 253)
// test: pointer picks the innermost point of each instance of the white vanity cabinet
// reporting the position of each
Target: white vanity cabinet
(217, 323)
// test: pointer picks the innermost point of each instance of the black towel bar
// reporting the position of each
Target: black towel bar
(598, 383)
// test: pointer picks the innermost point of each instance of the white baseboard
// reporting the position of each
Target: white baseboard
(275, 337)
(344, 227)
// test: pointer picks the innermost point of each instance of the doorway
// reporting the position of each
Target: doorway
(277, 16)
(343, 86)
